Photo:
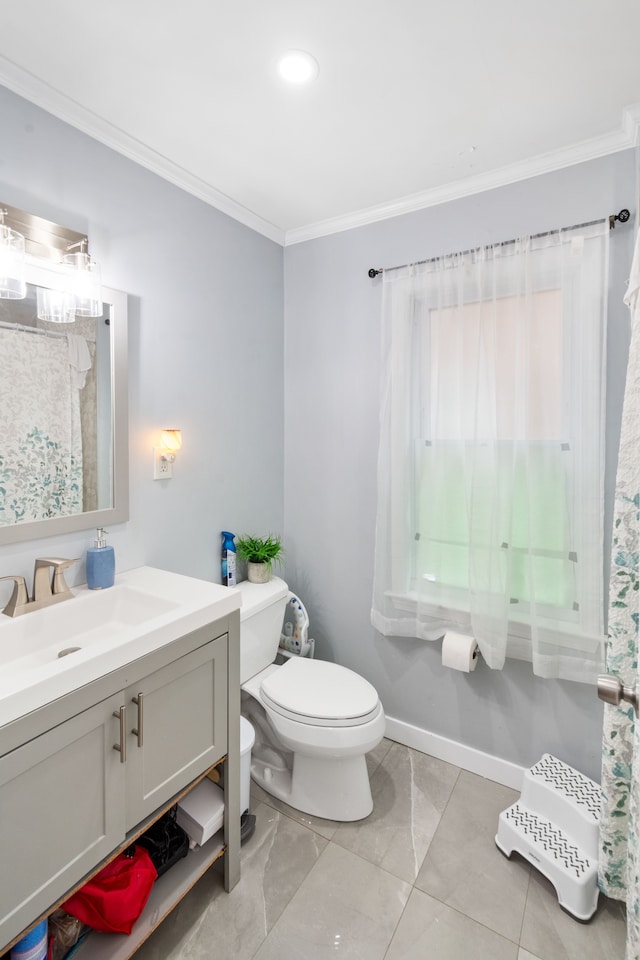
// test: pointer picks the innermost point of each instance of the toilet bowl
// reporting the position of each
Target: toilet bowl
(314, 721)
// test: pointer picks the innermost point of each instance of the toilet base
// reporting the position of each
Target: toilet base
(331, 789)
(334, 788)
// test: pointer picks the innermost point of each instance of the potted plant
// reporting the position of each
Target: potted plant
(260, 553)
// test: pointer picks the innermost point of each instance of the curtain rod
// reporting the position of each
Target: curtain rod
(5, 324)
(623, 216)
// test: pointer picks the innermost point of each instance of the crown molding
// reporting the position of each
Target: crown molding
(627, 136)
(631, 123)
(26, 85)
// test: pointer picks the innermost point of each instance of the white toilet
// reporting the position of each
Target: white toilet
(314, 721)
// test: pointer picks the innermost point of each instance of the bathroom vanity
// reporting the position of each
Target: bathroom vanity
(108, 750)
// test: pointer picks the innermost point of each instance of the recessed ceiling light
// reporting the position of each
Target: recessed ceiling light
(296, 66)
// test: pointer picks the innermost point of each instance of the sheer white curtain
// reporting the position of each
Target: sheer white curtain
(490, 471)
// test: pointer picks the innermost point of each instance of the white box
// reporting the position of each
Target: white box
(201, 812)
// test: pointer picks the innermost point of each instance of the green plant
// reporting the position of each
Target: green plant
(260, 549)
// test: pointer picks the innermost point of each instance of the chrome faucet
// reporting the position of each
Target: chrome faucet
(46, 589)
(19, 598)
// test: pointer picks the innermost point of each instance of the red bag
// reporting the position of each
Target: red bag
(113, 900)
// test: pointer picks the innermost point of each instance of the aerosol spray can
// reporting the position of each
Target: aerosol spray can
(228, 559)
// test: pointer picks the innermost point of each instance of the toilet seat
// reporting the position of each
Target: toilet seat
(320, 694)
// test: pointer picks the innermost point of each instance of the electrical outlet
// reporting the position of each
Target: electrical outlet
(162, 469)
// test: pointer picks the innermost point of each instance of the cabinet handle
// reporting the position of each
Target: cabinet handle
(121, 747)
(139, 730)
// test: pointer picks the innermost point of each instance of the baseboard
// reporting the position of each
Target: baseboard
(476, 761)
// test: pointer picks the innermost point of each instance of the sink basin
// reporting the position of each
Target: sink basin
(107, 617)
(50, 652)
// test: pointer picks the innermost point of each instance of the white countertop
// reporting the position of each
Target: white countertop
(146, 609)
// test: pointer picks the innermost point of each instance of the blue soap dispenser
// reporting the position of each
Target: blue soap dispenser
(101, 563)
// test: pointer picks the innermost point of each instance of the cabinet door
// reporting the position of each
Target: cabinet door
(184, 727)
(61, 812)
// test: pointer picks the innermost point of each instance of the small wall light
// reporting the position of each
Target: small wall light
(164, 456)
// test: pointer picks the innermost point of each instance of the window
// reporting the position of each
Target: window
(491, 464)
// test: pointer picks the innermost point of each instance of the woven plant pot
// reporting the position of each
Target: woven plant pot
(258, 572)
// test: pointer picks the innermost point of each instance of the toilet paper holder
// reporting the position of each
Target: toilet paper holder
(460, 651)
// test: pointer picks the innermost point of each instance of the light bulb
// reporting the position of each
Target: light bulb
(296, 66)
(12, 282)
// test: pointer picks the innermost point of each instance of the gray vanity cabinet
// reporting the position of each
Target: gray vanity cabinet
(176, 727)
(70, 796)
(60, 811)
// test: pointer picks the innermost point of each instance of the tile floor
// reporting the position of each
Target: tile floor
(420, 878)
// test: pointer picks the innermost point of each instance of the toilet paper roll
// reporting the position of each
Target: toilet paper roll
(459, 651)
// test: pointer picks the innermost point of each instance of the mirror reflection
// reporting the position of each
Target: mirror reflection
(60, 455)
(55, 397)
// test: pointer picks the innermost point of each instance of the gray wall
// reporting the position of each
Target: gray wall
(206, 320)
(332, 314)
(205, 344)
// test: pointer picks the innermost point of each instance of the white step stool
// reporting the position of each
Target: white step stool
(555, 826)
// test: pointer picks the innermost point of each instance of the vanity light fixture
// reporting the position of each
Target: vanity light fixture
(84, 277)
(55, 305)
(164, 456)
(297, 66)
(12, 262)
(65, 251)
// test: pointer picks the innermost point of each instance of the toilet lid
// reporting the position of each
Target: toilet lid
(320, 693)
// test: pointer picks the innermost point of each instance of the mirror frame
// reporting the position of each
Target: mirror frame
(45, 274)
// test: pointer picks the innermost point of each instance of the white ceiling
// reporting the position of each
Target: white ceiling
(417, 101)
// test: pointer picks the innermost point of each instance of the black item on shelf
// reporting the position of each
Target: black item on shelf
(165, 841)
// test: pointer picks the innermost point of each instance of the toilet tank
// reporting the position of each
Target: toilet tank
(261, 618)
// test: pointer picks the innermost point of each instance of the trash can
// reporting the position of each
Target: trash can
(247, 740)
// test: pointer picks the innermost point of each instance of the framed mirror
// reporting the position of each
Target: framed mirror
(64, 415)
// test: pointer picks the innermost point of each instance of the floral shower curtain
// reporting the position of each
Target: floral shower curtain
(41, 454)
(619, 866)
